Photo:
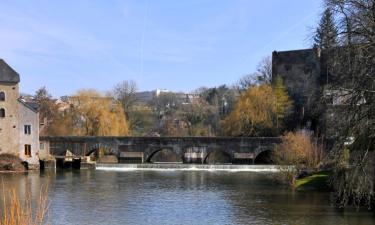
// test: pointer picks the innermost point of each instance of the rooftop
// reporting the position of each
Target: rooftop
(7, 74)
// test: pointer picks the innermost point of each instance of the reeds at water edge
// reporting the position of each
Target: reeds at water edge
(24, 212)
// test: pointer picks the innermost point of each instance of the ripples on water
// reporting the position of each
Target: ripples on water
(178, 197)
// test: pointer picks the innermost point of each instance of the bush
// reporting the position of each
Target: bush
(298, 152)
(9, 162)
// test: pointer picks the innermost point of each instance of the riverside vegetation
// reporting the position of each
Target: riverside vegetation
(258, 106)
(18, 211)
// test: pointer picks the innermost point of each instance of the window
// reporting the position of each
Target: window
(2, 113)
(28, 150)
(27, 129)
(41, 146)
(2, 96)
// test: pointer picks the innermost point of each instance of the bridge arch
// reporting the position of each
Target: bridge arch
(218, 157)
(264, 157)
(167, 153)
(222, 155)
(98, 146)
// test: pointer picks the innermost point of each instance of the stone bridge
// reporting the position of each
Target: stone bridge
(187, 149)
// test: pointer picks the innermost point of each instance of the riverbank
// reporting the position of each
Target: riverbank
(316, 182)
(11, 163)
(197, 167)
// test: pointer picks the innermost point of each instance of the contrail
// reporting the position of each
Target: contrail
(143, 37)
(287, 31)
(280, 36)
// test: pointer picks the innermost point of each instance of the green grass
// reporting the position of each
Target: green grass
(317, 182)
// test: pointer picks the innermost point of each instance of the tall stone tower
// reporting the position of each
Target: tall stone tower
(9, 110)
(301, 73)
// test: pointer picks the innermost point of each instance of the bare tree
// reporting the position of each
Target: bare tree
(263, 75)
(125, 92)
(352, 70)
(264, 70)
(48, 110)
(44, 99)
(246, 82)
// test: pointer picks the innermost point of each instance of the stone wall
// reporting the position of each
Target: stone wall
(9, 126)
(301, 73)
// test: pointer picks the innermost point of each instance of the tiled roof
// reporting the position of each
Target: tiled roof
(31, 105)
(7, 74)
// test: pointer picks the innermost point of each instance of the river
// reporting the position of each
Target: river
(178, 197)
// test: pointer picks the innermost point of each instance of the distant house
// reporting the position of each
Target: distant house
(19, 119)
(181, 97)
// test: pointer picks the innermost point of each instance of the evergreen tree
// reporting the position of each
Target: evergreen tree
(326, 33)
(283, 102)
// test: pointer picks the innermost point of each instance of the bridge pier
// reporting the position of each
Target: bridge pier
(195, 157)
(132, 157)
(243, 158)
(68, 163)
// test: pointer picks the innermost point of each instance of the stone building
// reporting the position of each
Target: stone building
(19, 119)
(300, 71)
(306, 76)
(146, 97)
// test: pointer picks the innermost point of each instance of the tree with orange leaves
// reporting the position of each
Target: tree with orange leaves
(258, 111)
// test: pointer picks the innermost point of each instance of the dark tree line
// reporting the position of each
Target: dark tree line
(347, 31)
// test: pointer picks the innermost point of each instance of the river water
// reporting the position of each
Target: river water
(178, 197)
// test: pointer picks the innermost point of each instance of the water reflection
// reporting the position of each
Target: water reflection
(178, 197)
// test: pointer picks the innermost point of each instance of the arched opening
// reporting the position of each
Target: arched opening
(218, 157)
(2, 113)
(102, 154)
(2, 96)
(92, 152)
(164, 156)
(99, 150)
(264, 158)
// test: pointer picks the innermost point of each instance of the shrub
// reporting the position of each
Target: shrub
(298, 152)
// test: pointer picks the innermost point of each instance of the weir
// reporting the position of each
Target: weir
(187, 167)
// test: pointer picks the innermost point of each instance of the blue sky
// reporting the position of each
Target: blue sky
(175, 44)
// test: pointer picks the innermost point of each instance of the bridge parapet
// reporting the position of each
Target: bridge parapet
(184, 147)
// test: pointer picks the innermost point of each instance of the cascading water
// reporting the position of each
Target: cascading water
(173, 166)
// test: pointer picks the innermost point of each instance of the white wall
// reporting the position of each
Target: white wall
(29, 117)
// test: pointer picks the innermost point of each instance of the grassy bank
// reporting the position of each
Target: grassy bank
(318, 182)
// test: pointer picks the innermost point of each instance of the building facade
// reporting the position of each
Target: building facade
(19, 120)
(146, 97)
(306, 76)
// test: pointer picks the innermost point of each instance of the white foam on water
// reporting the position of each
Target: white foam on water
(124, 168)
